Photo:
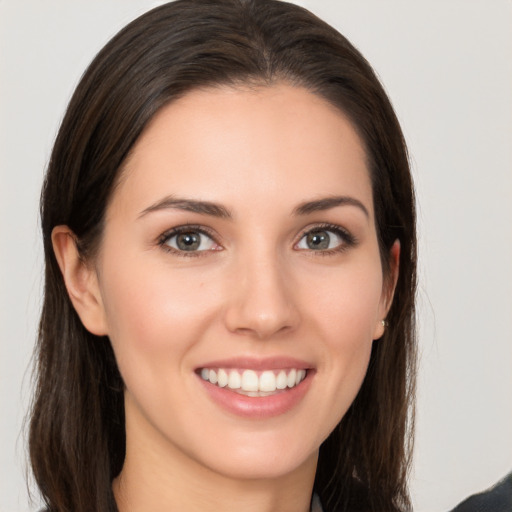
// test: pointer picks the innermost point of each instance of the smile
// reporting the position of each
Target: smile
(254, 383)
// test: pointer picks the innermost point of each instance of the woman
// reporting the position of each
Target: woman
(229, 232)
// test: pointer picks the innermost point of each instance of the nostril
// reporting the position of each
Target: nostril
(246, 318)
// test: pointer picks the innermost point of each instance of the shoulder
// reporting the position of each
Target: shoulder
(496, 499)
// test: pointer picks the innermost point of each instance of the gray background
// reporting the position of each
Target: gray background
(447, 65)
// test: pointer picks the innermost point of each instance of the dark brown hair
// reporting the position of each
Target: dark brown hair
(77, 439)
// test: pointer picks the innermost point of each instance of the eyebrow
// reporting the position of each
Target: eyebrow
(189, 205)
(217, 210)
(329, 202)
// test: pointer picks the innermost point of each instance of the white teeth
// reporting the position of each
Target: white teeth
(291, 378)
(282, 380)
(250, 381)
(234, 381)
(267, 381)
(222, 378)
(252, 384)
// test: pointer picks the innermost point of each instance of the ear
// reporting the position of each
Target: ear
(81, 281)
(388, 289)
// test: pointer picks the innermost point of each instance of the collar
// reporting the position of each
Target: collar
(316, 506)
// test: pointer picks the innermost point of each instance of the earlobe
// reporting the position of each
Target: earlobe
(380, 328)
(388, 290)
(81, 281)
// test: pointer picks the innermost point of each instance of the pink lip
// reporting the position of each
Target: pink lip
(251, 363)
(258, 407)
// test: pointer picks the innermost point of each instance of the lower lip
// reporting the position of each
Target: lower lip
(258, 407)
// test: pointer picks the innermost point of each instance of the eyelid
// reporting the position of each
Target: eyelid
(185, 228)
(349, 240)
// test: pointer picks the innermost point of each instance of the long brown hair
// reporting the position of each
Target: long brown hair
(77, 438)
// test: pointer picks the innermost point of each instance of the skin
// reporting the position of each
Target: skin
(258, 290)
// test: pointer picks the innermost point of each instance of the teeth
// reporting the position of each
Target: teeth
(267, 381)
(282, 380)
(250, 383)
(222, 378)
(234, 381)
(291, 378)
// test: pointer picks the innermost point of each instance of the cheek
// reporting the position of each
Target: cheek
(156, 319)
(343, 314)
(346, 305)
(154, 313)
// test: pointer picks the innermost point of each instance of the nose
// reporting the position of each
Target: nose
(262, 302)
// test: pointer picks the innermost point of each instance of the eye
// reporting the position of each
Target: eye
(188, 239)
(325, 238)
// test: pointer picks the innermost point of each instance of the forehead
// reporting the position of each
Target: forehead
(274, 141)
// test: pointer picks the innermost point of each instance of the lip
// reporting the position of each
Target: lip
(251, 363)
(258, 407)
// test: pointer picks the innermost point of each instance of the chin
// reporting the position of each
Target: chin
(260, 459)
(266, 467)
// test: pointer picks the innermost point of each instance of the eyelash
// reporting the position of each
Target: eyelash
(348, 240)
(189, 228)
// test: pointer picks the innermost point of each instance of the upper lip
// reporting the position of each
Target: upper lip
(252, 363)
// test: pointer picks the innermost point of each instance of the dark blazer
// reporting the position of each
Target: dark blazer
(496, 499)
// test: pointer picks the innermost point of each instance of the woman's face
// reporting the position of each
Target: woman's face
(240, 279)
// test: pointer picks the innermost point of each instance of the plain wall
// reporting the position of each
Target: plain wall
(447, 65)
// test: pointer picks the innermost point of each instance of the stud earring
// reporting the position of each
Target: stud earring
(384, 323)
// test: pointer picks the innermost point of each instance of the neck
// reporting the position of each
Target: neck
(134, 494)
(157, 475)
(140, 488)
